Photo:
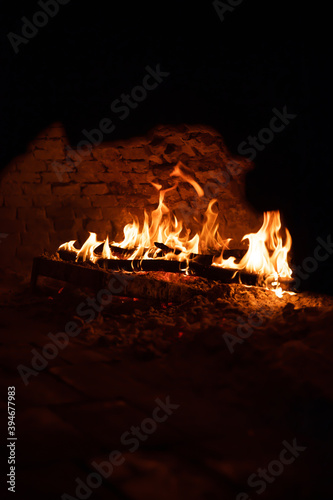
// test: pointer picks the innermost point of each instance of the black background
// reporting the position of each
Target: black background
(230, 75)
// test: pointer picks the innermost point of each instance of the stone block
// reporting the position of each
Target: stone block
(107, 176)
(31, 213)
(28, 163)
(105, 152)
(134, 153)
(71, 201)
(155, 159)
(54, 211)
(102, 228)
(22, 176)
(36, 189)
(92, 189)
(104, 201)
(86, 176)
(42, 200)
(110, 213)
(18, 201)
(49, 149)
(53, 177)
(39, 224)
(136, 200)
(59, 237)
(35, 238)
(63, 223)
(90, 166)
(11, 188)
(68, 189)
(89, 213)
(120, 166)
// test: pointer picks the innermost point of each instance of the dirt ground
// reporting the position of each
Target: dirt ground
(238, 374)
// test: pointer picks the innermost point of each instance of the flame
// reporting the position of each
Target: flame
(210, 239)
(177, 172)
(267, 253)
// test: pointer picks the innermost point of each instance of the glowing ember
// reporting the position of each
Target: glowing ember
(266, 255)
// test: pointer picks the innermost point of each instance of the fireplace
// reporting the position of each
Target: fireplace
(165, 254)
(179, 187)
(53, 194)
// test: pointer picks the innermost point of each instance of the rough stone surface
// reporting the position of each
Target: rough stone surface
(118, 176)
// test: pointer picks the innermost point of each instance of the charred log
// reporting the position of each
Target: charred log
(204, 259)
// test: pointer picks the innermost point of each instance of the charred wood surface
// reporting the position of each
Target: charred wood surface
(141, 285)
(195, 268)
(204, 259)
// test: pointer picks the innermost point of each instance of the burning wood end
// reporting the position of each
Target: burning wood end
(165, 238)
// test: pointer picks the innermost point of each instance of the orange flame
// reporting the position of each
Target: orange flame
(266, 255)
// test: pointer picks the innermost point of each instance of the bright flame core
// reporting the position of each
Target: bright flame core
(266, 255)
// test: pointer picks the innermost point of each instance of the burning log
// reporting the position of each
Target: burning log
(68, 256)
(149, 285)
(126, 252)
(195, 268)
(168, 266)
(165, 249)
(223, 275)
(139, 285)
(119, 251)
(203, 259)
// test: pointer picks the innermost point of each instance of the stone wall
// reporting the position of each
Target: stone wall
(53, 194)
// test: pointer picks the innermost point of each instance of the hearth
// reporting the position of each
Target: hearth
(172, 201)
(166, 251)
(164, 243)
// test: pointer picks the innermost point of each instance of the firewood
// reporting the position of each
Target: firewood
(147, 286)
(204, 259)
(168, 266)
(165, 249)
(195, 267)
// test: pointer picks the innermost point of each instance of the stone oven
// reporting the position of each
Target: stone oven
(53, 193)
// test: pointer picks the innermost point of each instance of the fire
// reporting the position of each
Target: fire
(267, 253)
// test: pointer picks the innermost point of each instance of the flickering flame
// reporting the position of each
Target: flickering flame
(267, 249)
(177, 172)
(267, 253)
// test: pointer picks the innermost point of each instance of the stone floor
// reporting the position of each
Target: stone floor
(239, 396)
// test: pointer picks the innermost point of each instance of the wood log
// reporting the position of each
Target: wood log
(165, 249)
(168, 266)
(135, 265)
(222, 274)
(118, 251)
(204, 259)
(195, 268)
(147, 286)
(67, 255)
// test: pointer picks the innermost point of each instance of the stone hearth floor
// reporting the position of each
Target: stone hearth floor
(233, 411)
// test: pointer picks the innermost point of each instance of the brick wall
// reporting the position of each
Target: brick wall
(53, 194)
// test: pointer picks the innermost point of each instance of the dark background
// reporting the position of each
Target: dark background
(229, 75)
